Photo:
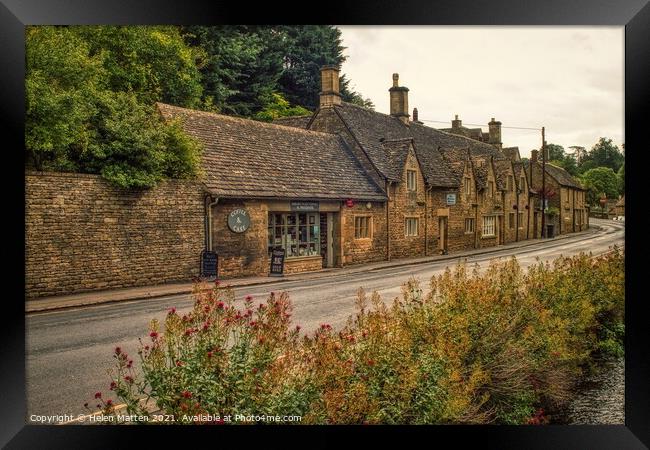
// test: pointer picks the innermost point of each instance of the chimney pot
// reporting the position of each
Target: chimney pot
(330, 94)
(415, 115)
(399, 100)
(533, 156)
(495, 133)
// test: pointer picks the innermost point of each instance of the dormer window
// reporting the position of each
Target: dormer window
(411, 180)
(491, 188)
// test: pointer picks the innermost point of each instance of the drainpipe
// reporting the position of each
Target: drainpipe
(426, 232)
(208, 216)
(387, 221)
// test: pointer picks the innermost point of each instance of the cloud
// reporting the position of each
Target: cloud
(569, 79)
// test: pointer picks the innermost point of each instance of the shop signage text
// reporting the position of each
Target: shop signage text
(208, 264)
(277, 262)
(239, 220)
(304, 206)
(451, 199)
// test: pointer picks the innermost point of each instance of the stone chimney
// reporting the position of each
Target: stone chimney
(399, 100)
(456, 123)
(495, 133)
(415, 115)
(330, 94)
(533, 156)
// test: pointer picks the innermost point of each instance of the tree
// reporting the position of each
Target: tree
(603, 154)
(600, 180)
(555, 152)
(90, 103)
(621, 179)
(280, 108)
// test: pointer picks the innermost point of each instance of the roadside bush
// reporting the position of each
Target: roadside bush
(498, 345)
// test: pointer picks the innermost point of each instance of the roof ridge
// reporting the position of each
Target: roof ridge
(246, 120)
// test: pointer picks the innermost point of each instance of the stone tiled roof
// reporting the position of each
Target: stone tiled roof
(456, 158)
(472, 133)
(502, 169)
(295, 121)
(512, 153)
(249, 159)
(396, 151)
(517, 166)
(560, 175)
(369, 127)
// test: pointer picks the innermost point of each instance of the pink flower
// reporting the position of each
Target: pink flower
(128, 379)
(249, 298)
(98, 395)
(129, 364)
(187, 394)
(217, 283)
(220, 305)
(153, 335)
(209, 354)
(297, 327)
(172, 310)
(118, 350)
(179, 363)
(113, 386)
(109, 402)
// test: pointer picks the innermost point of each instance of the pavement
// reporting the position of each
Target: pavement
(164, 290)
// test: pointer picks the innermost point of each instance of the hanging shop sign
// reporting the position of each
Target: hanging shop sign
(451, 199)
(277, 262)
(304, 206)
(239, 220)
(209, 264)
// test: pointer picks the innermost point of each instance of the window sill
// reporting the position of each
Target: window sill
(363, 239)
(302, 258)
(488, 236)
(411, 235)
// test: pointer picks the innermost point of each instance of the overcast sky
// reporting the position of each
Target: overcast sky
(568, 79)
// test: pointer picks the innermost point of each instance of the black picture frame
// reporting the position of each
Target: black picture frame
(633, 14)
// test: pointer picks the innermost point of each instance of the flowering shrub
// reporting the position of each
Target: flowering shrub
(492, 346)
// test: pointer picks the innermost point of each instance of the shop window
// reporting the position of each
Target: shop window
(411, 180)
(297, 233)
(469, 225)
(411, 226)
(362, 227)
(489, 228)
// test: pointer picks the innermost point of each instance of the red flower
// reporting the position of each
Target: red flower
(220, 305)
(109, 402)
(371, 362)
(297, 327)
(187, 394)
(179, 363)
(153, 335)
(172, 310)
(184, 407)
(146, 347)
(128, 379)
(98, 395)
(129, 364)
(217, 283)
(254, 370)
(249, 298)
(113, 386)
(118, 350)
(210, 354)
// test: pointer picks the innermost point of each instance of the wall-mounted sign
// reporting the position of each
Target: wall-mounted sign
(209, 264)
(277, 262)
(239, 220)
(451, 199)
(349, 203)
(304, 206)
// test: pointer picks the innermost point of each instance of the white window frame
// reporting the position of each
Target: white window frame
(408, 228)
(368, 227)
(468, 186)
(489, 229)
(411, 180)
(472, 227)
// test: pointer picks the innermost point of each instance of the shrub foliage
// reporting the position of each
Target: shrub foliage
(497, 345)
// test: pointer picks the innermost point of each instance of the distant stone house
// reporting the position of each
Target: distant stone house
(620, 206)
(565, 197)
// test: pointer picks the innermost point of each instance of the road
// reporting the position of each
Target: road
(70, 351)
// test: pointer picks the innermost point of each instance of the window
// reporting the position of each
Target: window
(489, 228)
(297, 233)
(468, 186)
(511, 221)
(411, 226)
(522, 184)
(411, 180)
(491, 188)
(362, 227)
(521, 220)
(469, 225)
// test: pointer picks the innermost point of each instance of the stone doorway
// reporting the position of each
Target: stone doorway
(442, 235)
